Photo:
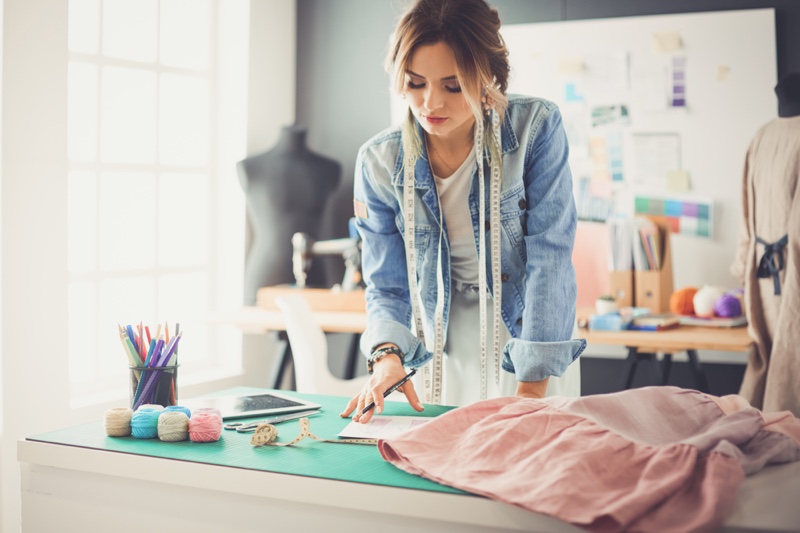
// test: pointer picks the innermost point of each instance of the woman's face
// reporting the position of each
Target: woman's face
(434, 94)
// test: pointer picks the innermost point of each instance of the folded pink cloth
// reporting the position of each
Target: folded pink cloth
(655, 459)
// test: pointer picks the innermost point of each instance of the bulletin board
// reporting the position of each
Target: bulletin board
(659, 112)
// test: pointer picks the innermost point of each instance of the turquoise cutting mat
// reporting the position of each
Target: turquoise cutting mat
(343, 462)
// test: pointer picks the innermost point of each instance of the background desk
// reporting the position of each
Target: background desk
(644, 345)
(334, 312)
(78, 478)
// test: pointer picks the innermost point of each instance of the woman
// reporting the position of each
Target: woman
(468, 203)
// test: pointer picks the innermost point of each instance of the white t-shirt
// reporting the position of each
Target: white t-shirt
(454, 201)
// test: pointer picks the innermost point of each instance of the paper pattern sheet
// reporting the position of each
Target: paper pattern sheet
(381, 427)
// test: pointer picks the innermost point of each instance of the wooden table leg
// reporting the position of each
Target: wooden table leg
(633, 361)
(281, 364)
(353, 359)
(699, 373)
(667, 366)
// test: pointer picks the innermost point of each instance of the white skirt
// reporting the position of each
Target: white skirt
(461, 376)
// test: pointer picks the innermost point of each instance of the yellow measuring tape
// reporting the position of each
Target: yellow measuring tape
(266, 434)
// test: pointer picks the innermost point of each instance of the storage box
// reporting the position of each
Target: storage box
(653, 288)
(621, 285)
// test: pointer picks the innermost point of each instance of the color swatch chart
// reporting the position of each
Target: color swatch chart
(687, 217)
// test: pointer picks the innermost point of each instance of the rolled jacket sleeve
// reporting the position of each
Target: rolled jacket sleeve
(544, 347)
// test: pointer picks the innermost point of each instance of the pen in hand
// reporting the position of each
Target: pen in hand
(390, 390)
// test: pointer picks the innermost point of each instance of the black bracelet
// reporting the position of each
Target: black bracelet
(380, 353)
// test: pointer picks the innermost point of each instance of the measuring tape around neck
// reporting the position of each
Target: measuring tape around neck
(432, 377)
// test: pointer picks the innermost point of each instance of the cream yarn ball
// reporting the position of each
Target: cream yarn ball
(705, 299)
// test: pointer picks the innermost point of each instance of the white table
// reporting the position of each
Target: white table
(64, 487)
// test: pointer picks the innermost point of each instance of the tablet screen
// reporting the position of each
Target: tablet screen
(247, 405)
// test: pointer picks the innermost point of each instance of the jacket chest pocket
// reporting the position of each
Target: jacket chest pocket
(513, 215)
(422, 242)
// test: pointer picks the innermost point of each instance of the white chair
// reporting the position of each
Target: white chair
(310, 351)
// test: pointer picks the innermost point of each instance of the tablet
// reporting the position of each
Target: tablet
(248, 405)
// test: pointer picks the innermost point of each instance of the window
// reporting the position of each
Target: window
(156, 122)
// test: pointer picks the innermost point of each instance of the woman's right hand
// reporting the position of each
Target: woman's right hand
(385, 373)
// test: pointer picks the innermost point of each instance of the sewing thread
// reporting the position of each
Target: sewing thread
(205, 427)
(180, 409)
(144, 423)
(117, 421)
(173, 426)
(212, 410)
(151, 407)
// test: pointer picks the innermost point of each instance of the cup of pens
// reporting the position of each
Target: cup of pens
(153, 365)
(153, 385)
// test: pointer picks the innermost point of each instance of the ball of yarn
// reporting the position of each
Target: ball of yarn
(681, 301)
(704, 301)
(144, 424)
(117, 421)
(180, 409)
(728, 306)
(173, 426)
(205, 427)
(212, 410)
(151, 407)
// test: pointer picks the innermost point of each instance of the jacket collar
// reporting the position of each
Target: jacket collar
(422, 170)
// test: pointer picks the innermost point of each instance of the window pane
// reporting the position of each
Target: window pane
(129, 29)
(183, 298)
(128, 116)
(82, 324)
(183, 120)
(184, 37)
(127, 220)
(183, 219)
(122, 301)
(81, 111)
(81, 221)
(82, 30)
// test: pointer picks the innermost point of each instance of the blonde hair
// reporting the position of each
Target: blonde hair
(471, 29)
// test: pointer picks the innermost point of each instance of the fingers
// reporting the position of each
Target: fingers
(365, 399)
(411, 396)
(350, 406)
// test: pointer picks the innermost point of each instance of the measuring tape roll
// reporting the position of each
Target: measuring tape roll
(266, 434)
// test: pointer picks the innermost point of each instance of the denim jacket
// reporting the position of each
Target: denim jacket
(538, 219)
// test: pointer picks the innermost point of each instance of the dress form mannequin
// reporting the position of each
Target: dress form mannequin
(287, 188)
(768, 258)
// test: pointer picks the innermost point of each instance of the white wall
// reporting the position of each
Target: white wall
(33, 364)
(34, 214)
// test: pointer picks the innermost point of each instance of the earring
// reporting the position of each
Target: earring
(486, 102)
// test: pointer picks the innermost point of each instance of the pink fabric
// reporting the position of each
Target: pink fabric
(782, 421)
(653, 459)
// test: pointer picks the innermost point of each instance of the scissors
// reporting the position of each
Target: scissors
(249, 427)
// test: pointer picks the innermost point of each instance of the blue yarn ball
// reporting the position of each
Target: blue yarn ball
(179, 408)
(144, 423)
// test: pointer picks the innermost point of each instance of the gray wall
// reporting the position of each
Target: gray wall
(342, 89)
(342, 96)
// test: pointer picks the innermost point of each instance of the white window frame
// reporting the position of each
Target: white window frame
(224, 354)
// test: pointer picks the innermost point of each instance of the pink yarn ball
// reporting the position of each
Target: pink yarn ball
(728, 306)
(205, 427)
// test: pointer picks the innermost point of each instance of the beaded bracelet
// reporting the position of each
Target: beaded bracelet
(380, 353)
